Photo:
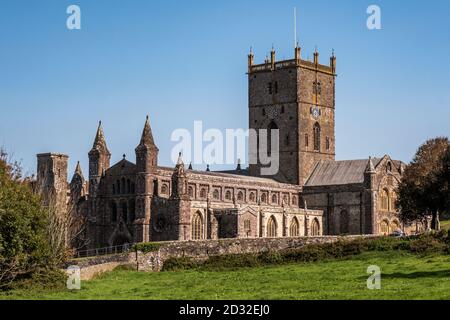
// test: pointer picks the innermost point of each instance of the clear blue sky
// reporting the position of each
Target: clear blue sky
(181, 61)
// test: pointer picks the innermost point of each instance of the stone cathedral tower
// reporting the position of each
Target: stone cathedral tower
(298, 98)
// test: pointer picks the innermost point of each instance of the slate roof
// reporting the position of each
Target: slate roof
(330, 173)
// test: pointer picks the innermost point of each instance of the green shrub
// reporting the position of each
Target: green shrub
(148, 247)
(177, 264)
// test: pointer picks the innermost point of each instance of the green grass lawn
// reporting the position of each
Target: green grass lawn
(404, 276)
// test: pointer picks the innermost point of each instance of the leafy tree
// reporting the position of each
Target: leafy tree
(422, 189)
(23, 242)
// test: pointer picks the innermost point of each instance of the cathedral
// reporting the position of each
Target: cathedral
(312, 194)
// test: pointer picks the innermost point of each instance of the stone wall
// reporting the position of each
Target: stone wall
(202, 250)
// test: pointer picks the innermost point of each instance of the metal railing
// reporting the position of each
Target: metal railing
(104, 251)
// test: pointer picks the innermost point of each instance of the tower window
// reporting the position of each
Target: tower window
(306, 140)
(317, 87)
(316, 134)
(269, 88)
(328, 143)
(286, 140)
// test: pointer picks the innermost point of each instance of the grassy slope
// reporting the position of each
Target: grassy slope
(445, 225)
(404, 276)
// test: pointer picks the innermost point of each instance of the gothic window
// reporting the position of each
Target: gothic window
(294, 200)
(191, 192)
(264, 198)
(164, 189)
(316, 135)
(306, 140)
(228, 195)
(128, 186)
(294, 228)
(252, 197)
(384, 227)
(132, 206)
(122, 187)
(393, 202)
(276, 87)
(203, 193)
(197, 226)
(282, 109)
(216, 194)
(385, 200)
(317, 87)
(118, 186)
(113, 212)
(269, 88)
(327, 143)
(133, 188)
(247, 227)
(114, 188)
(344, 222)
(389, 167)
(240, 196)
(124, 211)
(272, 228)
(274, 199)
(395, 226)
(272, 126)
(286, 199)
(315, 228)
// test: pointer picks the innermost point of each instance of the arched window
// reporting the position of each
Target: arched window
(393, 202)
(216, 194)
(384, 227)
(203, 193)
(294, 228)
(286, 199)
(306, 140)
(191, 192)
(344, 222)
(118, 186)
(264, 198)
(384, 199)
(240, 196)
(274, 199)
(114, 188)
(247, 227)
(327, 143)
(316, 135)
(272, 126)
(164, 189)
(252, 197)
(197, 227)
(228, 195)
(272, 228)
(315, 228)
(113, 212)
(132, 207)
(395, 226)
(294, 200)
(128, 186)
(124, 212)
(132, 187)
(389, 166)
(122, 187)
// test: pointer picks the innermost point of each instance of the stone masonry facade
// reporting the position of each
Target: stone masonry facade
(310, 195)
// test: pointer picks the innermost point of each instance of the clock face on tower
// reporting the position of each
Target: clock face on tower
(316, 112)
